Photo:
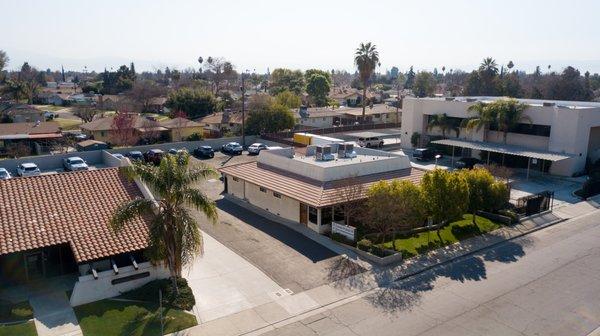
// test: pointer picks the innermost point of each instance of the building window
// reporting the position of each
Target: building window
(326, 215)
(312, 215)
(102, 133)
(263, 189)
(277, 195)
(338, 214)
(236, 179)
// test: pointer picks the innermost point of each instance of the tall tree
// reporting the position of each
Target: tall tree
(424, 84)
(3, 60)
(410, 78)
(482, 119)
(289, 99)
(196, 103)
(286, 79)
(275, 118)
(318, 88)
(144, 92)
(174, 238)
(488, 72)
(443, 123)
(485, 193)
(444, 195)
(366, 59)
(219, 69)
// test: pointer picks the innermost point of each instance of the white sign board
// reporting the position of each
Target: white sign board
(345, 230)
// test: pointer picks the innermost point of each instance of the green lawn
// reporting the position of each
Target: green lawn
(52, 108)
(21, 311)
(454, 232)
(21, 329)
(68, 124)
(109, 317)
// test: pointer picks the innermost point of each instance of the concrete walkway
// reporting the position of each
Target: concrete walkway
(53, 315)
(312, 302)
(225, 283)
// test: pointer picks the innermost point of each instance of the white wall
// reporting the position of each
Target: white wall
(285, 207)
(87, 289)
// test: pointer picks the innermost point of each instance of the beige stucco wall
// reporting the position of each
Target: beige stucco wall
(180, 134)
(570, 128)
(235, 188)
(284, 207)
(317, 122)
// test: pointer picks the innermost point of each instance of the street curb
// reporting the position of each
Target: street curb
(270, 327)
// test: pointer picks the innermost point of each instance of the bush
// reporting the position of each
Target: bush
(364, 245)
(510, 214)
(589, 188)
(195, 137)
(341, 238)
(148, 292)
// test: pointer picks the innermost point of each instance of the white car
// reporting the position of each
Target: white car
(28, 169)
(75, 163)
(255, 148)
(4, 174)
(118, 156)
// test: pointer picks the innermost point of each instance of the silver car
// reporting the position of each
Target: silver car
(4, 174)
(28, 169)
(75, 163)
(255, 148)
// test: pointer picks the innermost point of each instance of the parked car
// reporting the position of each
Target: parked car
(135, 156)
(370, 142)
(74, 163)
(154, 156)
(174, 151)
(4, 174)
(466, 163)
(255, 148)
(80, 136)
(28, 169)
(204, 151)
(232, 148)
(424, 154)
(119, 156)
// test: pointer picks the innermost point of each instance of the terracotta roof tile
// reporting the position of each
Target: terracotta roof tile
(312, 192)
(72, 208)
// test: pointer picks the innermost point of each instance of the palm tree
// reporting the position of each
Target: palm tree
(510, 65)
(483, 118)
(443, 122)
(366, 59)
(508, 113)
(174, 235)
(489, 66)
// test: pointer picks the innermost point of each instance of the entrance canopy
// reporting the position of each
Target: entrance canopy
(505, 149)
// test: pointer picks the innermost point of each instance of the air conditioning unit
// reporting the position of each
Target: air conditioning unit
(346, 150)
(323, 153)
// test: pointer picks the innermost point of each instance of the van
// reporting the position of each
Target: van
(424, 154)
(370, 142)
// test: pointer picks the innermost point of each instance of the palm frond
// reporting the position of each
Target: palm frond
(197, 199)
(128, 211)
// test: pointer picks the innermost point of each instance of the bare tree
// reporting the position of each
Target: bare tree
(85, 113)
(144, 92)
(219, 69)
(123, 131)
(18, 150)
(350, 192)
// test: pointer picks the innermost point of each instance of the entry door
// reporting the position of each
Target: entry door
(35, 266)
(303, 214)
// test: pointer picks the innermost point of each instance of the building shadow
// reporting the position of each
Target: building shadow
(295, 240)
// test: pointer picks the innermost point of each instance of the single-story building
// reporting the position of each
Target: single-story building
(58, 224)
(90, 145)
(325, 117)
(37, 136)
(181, 128)
(222, 122)
(105, 130)
(311, 188)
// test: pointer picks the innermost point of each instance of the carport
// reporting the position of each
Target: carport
(504, 149)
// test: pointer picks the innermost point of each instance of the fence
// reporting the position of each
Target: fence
(532, 204)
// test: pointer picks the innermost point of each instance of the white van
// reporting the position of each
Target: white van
(370, 142)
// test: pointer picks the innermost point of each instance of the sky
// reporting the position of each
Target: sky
(259, 34)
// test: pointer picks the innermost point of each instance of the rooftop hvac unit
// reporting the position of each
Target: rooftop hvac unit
(323, 153)
(346, 150)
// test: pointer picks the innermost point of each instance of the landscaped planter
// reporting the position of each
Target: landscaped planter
(390, 259)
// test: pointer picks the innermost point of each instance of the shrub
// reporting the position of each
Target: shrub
(510, 214)
(149, 292)
(364, 245)
(195, 137)
(415, 138)
(589, 188)
(341, 238)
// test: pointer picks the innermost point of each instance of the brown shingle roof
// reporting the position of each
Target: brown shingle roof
(106, 123)
(29, 128)
(72, 208)
(179, 123)
(309, 191)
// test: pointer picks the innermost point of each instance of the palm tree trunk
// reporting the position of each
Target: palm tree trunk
(364, 101)
(504, 136)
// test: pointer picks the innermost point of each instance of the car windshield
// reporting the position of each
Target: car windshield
(77, 161)
(3, 173)
(30, 168)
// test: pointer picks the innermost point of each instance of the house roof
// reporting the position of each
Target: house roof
(87, 143)
(106, 123)
(73, 208)
(312, 192)
(222, 118)
(27, 129)
(318, 112)
(179, 123)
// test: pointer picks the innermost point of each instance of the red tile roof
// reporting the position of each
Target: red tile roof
(73, 208)
(312, 192)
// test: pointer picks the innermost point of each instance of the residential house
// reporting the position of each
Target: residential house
(20, 113)
(141, 128)
(219, 123)
(181, 128)
(36, 137)
(325, 117)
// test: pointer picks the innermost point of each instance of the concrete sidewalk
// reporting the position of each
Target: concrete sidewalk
(53, 315)
(299, 306)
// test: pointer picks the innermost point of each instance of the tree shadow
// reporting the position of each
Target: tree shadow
(403, 295)
(345, 273)
(510, 251)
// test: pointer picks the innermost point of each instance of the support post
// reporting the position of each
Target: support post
(528, 164)
(452, 164)
(488, 158)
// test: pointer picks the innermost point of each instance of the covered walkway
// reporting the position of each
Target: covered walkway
(504, 149)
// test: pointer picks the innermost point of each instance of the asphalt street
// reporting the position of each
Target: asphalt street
(544, 283)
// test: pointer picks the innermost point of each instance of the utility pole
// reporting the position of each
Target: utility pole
(243, 89)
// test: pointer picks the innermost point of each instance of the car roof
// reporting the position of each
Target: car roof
(257, 144)
(233, 143)
(206, 147)
(75, 158)
(135, 152)
(156, 151)
(3, 169)
(28, 164)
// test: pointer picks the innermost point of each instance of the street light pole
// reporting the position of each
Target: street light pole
(243, 89)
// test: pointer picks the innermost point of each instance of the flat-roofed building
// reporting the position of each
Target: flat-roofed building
(311, 187)
(561, 137)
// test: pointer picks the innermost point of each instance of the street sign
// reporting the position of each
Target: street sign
(345, 230)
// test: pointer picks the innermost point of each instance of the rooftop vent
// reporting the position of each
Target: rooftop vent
(346, 150)
(548, 104)
(449, 98)
(471, 100)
